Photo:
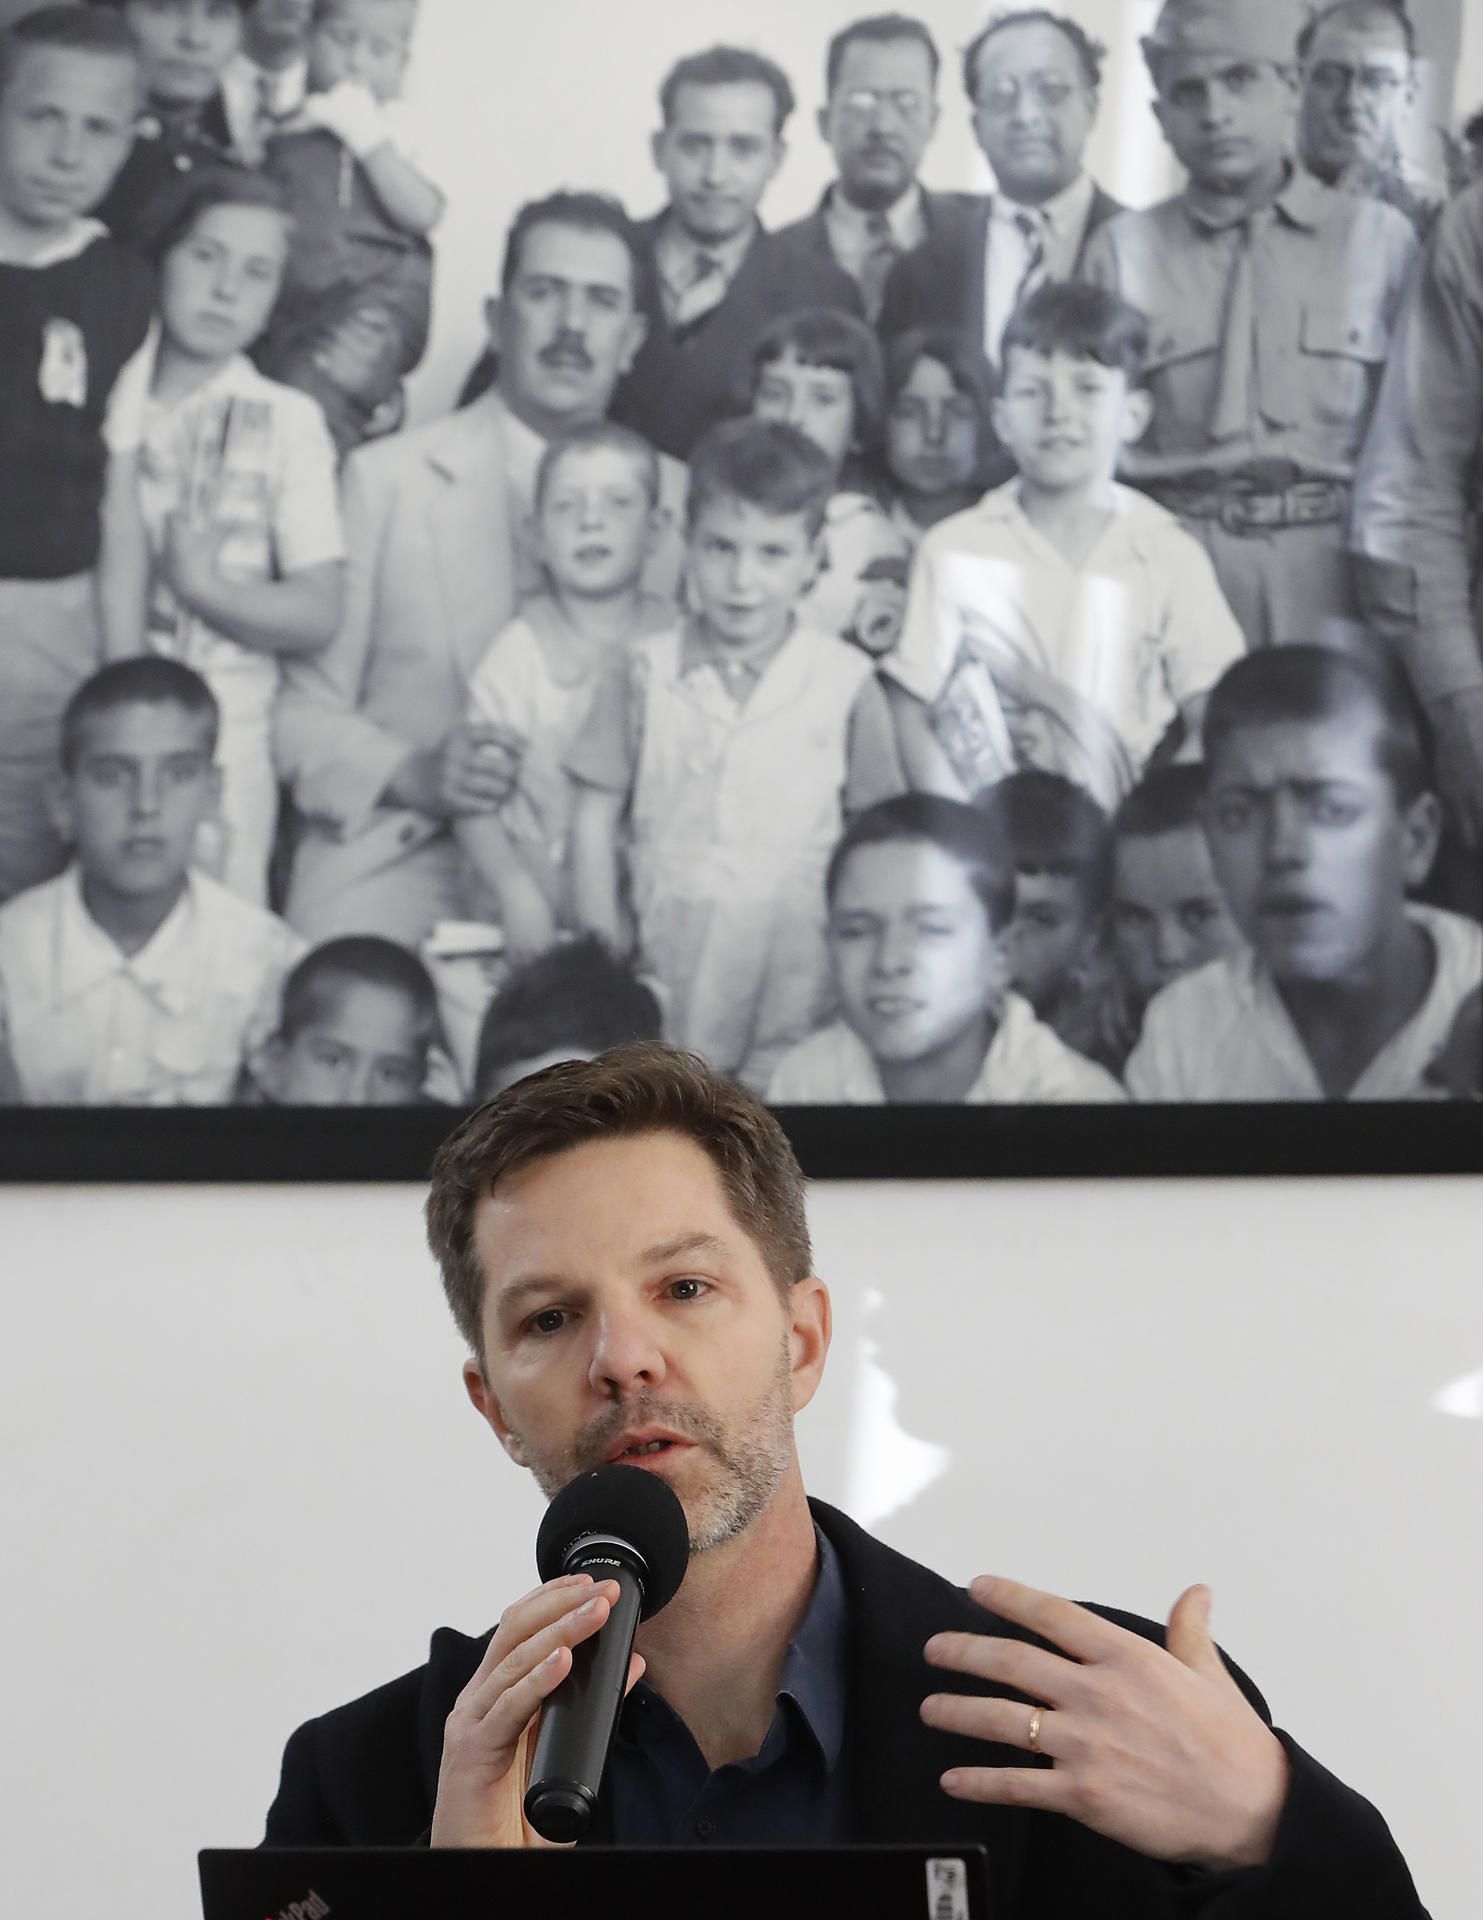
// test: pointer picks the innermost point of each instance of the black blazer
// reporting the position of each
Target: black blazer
(366, 1775)
(944, 213)
(683, 382)
(941, 284)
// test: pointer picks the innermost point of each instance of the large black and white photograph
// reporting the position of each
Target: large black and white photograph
(927, 558)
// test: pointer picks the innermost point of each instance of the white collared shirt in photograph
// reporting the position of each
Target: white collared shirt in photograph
(1026, 1065)
(1027, 661)
(1028, 246)
(695, 277)
(88, 1025)
(1222, 1032)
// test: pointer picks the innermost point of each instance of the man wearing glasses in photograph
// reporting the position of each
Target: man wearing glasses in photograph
(1358, 63)
(1033, 78)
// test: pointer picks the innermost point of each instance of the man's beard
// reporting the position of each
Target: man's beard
(751, 1461)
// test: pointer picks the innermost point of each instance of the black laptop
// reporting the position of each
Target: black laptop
(620, 1883)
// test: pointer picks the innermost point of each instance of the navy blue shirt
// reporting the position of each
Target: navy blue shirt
(790, 1792)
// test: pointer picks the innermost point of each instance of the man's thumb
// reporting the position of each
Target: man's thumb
(1188, 1633)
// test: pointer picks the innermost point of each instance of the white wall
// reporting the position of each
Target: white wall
(241, 1484)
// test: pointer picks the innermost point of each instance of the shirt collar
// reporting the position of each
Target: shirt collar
(86, 958)
(66, 245)
(1063, 214)
(677, 252)
(906, 217)
(698, 650)
(1300, 203)
(813, 1675)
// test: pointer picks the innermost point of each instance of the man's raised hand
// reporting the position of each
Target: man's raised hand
(1154, 1747)
(489, 1737)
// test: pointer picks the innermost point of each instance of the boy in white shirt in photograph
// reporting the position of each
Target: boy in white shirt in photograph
(1321, 820)
(594, 526)
(353, 317)
(920, 892)
(720, 759)
(237, 478)
(1065, 622)
(129, 980)
(358, 1027)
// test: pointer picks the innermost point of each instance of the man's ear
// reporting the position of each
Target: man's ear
(634, 335)
(1421, 826)
(821, 121)
(656, 146)
(488, 1407)
(59, 808)
(493, 318)
(810, 1327)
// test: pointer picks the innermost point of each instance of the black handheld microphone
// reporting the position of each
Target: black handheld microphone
(616, 1523)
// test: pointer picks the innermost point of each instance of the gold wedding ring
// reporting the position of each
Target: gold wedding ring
(1034, 1740)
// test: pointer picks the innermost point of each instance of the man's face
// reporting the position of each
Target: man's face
(368, 42)
(1169, 915)
(363, 1045)
(627, 1316)
(749, 568)
(185, 44)
(1033, 110)
(819, 401)
(141, 783)
(1047, 940)
(1357, 82)
(275, 30)
(1067, 419)
(66, 125)
(218, 284)
(915, 958)
(717, 156)
(568, 328)
(879, 118)
(1230, 122)
(1310, 847)
(932, 433)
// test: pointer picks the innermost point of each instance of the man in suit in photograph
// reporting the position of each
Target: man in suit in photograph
(371, 734)
(878, 119)
(1033, 78)
(716, 276)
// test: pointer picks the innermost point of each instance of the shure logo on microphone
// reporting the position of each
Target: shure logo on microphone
(311, 1907)
(599, 1560)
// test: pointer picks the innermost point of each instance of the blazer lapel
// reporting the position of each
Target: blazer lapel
(469, 531)
(973, 254)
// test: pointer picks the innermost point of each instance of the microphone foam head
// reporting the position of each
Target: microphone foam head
(633, 1505)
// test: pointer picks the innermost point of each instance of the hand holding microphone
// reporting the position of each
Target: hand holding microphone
(615, 1548)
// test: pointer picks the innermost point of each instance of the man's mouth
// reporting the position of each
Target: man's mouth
(893, 1006)
(651, 1444)
(591, 554)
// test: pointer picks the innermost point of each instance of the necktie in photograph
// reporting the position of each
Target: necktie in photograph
(705, 289)
(1232, 413)
(881, 255)
(1031, 225)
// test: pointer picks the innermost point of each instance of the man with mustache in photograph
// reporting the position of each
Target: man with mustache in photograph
(371, 734)
(624, 1245)
(878, 119)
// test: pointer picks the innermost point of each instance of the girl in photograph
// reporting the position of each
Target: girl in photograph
(941, 454)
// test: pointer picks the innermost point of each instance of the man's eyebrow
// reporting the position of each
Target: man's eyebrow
(682, 1243)
(510, 1299)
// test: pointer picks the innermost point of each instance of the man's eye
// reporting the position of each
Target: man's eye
(1197, 915)
(1232, 815)
(548, 1321)
(687, 1287)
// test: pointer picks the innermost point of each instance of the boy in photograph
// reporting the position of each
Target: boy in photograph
(1321, 819)
(129, 980)
(1057, 839)
(570, 1003)
(356, 304)
(732, 745)
(920, 893)
(264, 83)
(74, 322)
(1272, 301)
(186, 47)
(358, 1028)
(1065, 622)
(1166, 914)
(595, 525)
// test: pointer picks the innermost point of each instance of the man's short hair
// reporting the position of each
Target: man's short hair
(1304, 684)
(72, 29)
(767, 463)
(966, 834)
(1165, 800)
(642, 1088)
(575, 995)
(146, 680)
(586, 211)
(1091, 53)
(1393, 11)
(881, 30)
(588, 437)
(728, 67)
(1052, 827)
(364, 959)
(1086, 322)
(825, 337)
(183, 200)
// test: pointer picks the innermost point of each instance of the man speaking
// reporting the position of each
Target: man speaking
(623, 1244)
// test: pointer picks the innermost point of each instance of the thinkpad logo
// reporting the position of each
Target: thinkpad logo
(311, 1907)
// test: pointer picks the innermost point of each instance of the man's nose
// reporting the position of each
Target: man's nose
(934, 425)
(894, 953)
(144, 795)
(1287, 832)
(625, 1353)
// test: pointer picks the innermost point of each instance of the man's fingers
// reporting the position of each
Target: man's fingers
(1072, 1628)
(1013, 1787)
(527, 1617)
(1011, 1662)
(575, 1625)
(1188, 1635)
(1006, 1722)
(636, 1665)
